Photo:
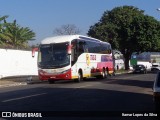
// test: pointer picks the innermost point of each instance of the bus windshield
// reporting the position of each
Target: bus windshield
(53, 55)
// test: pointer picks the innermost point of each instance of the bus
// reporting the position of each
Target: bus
(73, 57)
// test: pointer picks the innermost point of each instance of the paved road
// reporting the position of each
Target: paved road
(124, 93)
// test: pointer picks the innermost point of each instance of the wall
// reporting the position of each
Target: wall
(119, 63)
(17, 63)
(119, 60)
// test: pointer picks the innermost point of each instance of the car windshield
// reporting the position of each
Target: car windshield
(53, 55)
(154, 65)
(139, 66)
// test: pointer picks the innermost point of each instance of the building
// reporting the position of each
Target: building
(119, 60)
(152, 57)
(146, 58)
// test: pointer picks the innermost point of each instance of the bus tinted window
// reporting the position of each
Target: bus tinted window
(105, 48)
(97, 47)
(81, 47)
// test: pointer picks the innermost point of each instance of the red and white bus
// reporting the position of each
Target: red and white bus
(74, 57)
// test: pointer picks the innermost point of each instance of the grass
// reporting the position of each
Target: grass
(122, 71)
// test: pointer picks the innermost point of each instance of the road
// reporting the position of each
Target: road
(124, 93)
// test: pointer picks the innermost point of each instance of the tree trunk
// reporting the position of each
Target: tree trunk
(126, 62)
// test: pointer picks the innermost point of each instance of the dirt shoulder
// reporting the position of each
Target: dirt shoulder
(18, 80)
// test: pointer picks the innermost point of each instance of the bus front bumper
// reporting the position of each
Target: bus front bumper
(48, 76)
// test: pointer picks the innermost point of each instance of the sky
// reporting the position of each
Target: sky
(43, 16)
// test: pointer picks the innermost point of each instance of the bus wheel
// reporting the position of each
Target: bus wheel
(113, 74)
(104, 74)
(80, 76)
(51, 81)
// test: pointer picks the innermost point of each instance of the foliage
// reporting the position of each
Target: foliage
(69, 29)
(14, 36)
(2, 25)
(128, 30)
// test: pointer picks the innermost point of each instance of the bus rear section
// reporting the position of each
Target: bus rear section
(91, 58)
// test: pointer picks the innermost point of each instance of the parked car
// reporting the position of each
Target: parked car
(156, 92)
(155, 67)
(140, 69)
(147, 64)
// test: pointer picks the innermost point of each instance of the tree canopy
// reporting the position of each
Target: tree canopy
(129, 30)
(68, 29)
(14, 36)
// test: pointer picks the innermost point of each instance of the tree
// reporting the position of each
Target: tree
(16, 36)
(2, 27)
(69, 29)
(128, 30)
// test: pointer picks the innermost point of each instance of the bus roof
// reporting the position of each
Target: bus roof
(66, 38)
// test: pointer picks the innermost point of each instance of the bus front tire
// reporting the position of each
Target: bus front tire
(80, 77)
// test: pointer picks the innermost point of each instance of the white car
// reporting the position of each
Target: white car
(156, 92)
(155, 67)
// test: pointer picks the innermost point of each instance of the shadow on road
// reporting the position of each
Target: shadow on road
(138, 83)
(74, 99)
(56, 101)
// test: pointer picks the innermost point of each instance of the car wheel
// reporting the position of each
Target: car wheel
(157, 104)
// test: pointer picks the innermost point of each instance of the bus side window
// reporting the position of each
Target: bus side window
(81, 47)
(109, 49)
(86, 47)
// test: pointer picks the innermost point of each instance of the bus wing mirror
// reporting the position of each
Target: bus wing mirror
(69, 49)
(33, 51)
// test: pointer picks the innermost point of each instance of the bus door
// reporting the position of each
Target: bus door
(84, 58)
(74, 57)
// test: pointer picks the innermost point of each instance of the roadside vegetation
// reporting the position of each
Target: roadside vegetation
(13, 36)
(128, 30)
(122, 71)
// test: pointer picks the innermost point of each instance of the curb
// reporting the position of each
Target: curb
(18, 81)
(124, 73)
(13, 84)
(28, 80)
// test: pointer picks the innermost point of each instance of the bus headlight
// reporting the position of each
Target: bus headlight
(41, 72)
(64, 71)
